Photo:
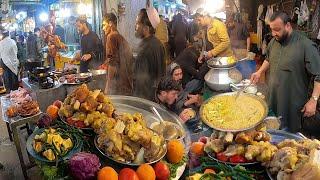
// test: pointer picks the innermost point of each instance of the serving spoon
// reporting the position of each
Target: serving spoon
(169, 131)
(242, 89)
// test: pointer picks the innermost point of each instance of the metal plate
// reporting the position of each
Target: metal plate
(230, 163)
(135, 104)
(85, 76)
(63, 119)
(39, 157)
(214, 63)
(207, 122)
(129, 163)
(278, 136)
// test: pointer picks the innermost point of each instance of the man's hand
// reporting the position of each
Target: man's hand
(184, 115)
(309, 108)
(193, 99)
(209, 55)
(1, 71)
(86, 57)
(255, 77)
(200, 59)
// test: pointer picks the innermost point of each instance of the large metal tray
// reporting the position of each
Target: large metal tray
(207, 122)
(128, 163)
(278, 136)
(132, 104)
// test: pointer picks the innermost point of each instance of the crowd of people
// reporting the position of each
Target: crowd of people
(170, 64)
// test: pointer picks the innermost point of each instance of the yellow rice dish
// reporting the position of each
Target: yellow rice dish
(227, 113)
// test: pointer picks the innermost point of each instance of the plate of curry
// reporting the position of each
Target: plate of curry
(224, 112)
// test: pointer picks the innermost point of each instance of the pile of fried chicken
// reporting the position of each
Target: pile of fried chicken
(296, 160)
(254, 145)
(88, 106)
(126, 138)
(21, 104)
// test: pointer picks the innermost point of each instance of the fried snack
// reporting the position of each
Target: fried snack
(81, 93)
(28, 108)
(12, 111)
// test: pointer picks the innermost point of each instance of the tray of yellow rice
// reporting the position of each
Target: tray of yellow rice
(224, 112)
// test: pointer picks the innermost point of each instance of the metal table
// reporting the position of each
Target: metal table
(45, 97)
(14, 124)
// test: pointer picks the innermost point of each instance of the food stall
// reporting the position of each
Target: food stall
(90, 130)
(247, 145)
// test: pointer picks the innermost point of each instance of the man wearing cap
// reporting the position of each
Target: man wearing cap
(217, 34)
(150, 64)
(9, 61)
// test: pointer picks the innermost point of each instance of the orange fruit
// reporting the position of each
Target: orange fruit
(197, 148)
(146, 172)
(175, 151)
(107, 173)
(52, 111)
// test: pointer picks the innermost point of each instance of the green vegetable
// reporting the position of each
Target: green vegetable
(237, 172)
(174, 167)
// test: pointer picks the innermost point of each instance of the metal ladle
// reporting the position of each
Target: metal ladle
(242, 89)
(169, 131)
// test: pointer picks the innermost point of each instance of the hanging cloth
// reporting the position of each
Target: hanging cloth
(304, 13)
(259, 26)
(268, 14)
(315, 21)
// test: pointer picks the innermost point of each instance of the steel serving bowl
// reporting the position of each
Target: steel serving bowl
(98, 72)
(220, 62)
(129, 163)
(207, 122)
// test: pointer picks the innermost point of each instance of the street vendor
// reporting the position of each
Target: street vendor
(292, 59)
(217, 34)
(119, 58)
(89, 45)
(54, 44)
(149, 64)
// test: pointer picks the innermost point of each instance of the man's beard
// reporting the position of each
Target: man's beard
(179, 82)
(139, 35)
(283, 37)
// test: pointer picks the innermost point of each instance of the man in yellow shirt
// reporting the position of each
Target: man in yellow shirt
(162, 31)
(217, 34)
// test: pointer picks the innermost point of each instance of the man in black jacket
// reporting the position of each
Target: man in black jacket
(149, 64)
(191, 68)
(90, 46)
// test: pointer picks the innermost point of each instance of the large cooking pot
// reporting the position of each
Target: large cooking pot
(219, 79)
(222, 73)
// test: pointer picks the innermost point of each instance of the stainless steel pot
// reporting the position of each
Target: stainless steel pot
(219, 79)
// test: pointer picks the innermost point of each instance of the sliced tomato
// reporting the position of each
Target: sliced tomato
(79, 124)
(222, 157)
(209, 171)
(238, 159)
(70, 121)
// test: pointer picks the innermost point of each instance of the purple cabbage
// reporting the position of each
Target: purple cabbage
(44, 121)
(84, 166)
